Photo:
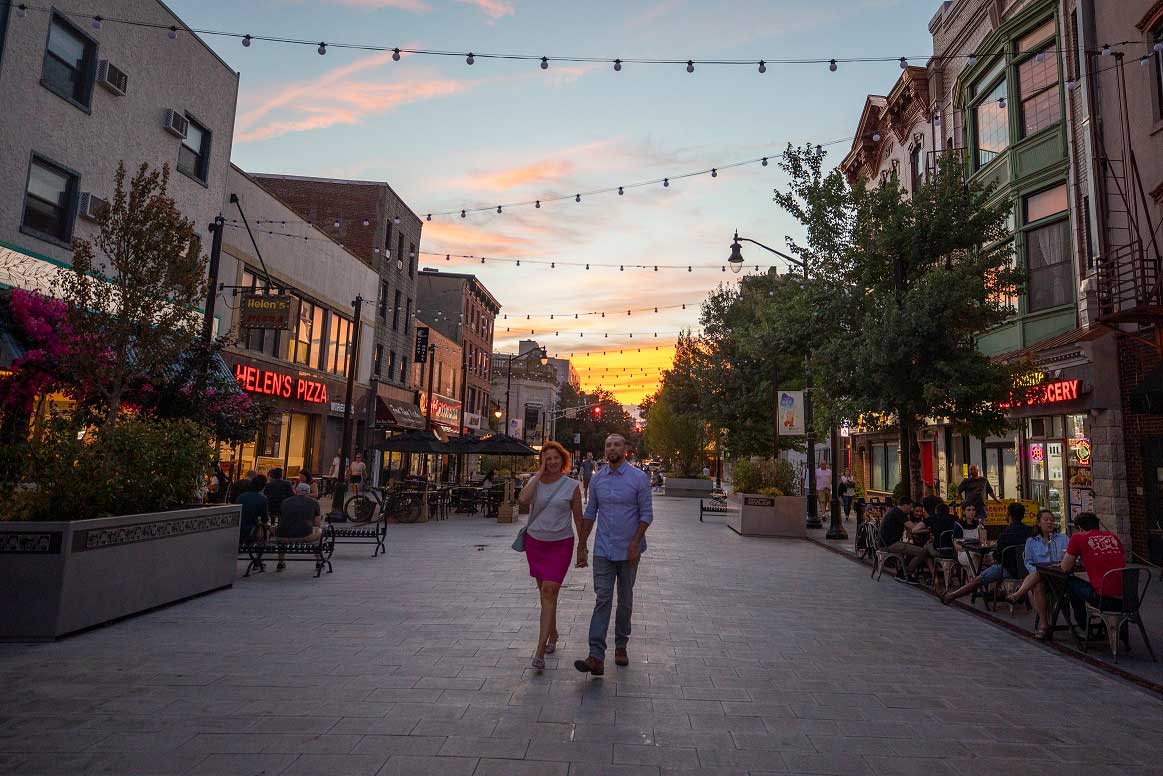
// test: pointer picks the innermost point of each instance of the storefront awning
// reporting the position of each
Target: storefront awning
(398, 414)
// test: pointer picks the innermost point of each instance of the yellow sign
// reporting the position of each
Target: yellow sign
(1029, 380)
(995, 511)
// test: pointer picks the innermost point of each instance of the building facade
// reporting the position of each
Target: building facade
(462, 309)
(78, 100)
(1007, 103)
(442, 371)
(372, 222)
(303, 369)
(528, 392)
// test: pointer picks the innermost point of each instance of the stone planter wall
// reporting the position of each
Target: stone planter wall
(687, 488)
(756, 515)
(61, 577)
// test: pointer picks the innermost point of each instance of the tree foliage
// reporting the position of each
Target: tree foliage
(594, 427)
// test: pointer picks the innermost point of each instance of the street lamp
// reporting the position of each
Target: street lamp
(813, 510)
(542, 356)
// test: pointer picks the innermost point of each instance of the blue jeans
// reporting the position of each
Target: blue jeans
(606, 573)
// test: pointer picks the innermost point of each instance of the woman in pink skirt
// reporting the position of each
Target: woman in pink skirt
(555, 509)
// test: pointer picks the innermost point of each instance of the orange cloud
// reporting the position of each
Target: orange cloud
(452, 237)
(337, 97)
(520, 176)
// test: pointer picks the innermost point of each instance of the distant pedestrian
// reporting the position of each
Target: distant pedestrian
(255, 518)
(587, 472)
(623, 509)
(974, 489)
(356, 472)
(277, 491)
(555, 509)
(847, 492)
(824, 486)
(301, 520)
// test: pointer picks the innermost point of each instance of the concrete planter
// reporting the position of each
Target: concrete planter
(756, 515)
(61, 577)
(687, 488)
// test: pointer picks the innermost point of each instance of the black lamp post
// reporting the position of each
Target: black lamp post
(542, 356)
(736, 262)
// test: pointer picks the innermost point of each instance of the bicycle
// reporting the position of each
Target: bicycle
(364, 505)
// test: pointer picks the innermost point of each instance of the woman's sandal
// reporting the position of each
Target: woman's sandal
(1041, 634)
(550, 647)
(1013, 599)
(538, 663)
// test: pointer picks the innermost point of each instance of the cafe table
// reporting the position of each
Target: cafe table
(1057, 587)
(976, 552)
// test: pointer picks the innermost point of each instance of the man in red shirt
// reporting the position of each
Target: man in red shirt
(1100, 551)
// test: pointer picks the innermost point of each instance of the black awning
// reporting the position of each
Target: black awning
(1147, 396)
(398, 414)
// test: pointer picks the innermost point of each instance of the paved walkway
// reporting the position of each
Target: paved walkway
(749, 656)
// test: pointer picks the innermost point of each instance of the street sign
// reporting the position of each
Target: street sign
(791, 413)
(577, 439)
(256, 311)
(421, 354)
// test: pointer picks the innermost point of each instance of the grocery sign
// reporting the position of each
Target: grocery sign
(1048, 393)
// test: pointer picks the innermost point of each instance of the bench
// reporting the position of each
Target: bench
(372, 533)
(715, 505)
(318, 551)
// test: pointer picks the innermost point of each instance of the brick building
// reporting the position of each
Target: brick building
(462, 309)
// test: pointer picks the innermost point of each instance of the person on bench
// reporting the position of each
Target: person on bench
(255, 519)
(301, 520)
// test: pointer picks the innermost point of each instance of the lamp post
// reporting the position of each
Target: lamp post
(541, 355)
(736, 262)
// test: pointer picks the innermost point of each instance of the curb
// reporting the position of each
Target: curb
(1093, 662)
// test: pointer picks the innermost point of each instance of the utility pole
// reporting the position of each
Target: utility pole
(835, 527)
(346, 444)
(212, 280)
(810, 438)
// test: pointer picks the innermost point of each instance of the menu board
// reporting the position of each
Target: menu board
(1081, 482)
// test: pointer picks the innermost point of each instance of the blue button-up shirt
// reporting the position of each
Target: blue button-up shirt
(619, 499)
(1040, 551)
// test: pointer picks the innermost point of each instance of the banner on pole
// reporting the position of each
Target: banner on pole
(791, 413)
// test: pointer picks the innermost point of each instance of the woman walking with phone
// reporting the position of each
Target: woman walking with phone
(555, 509)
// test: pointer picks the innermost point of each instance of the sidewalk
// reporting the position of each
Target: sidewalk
(748, 657)
(1138, 664)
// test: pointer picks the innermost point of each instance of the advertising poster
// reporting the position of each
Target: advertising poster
(791, 413)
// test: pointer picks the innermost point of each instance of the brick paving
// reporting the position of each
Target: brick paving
(749, 656)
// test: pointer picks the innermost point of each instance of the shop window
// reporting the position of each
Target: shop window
(265, 341)
(70, 62)
(885, 466)
(194, 152)
(991, 120)
(49, 200)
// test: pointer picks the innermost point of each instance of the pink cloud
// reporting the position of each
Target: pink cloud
(537, 172)
(449, 237)
(495, 9)
(339, 97)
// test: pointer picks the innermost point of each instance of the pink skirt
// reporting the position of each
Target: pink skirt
(548, 561)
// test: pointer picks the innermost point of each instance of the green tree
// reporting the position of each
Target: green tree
(675, 432)
(594, 423)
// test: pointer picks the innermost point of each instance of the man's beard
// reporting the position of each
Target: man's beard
(615, 458)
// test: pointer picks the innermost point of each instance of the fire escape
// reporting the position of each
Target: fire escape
(1128, 279)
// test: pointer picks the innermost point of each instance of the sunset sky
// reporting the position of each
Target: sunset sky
(448, 136)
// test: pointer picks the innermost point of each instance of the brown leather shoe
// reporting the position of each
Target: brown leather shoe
(591, 665)
(620, 657)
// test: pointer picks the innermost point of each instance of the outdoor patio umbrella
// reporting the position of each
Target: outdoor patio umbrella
(494, 444)
(415, 442)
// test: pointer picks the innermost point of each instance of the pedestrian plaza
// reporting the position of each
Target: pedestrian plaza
(748, 656)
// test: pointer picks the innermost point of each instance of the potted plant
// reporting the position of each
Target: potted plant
(763, 509)
(109, 421)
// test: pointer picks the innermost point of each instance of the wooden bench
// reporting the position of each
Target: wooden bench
(319, 551)
(372, 533)
(715, 505)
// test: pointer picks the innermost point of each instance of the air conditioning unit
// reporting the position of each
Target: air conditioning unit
(176, 124)
(112, 78)
(90, 206)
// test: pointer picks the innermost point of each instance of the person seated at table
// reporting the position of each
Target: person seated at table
(1046, 546)
(1014, 535)
(301, 521)
(490, 479)
(255, 517)
(967, 528)
(896, 526)
(941, 527)
(1100, 551)
(305, 476)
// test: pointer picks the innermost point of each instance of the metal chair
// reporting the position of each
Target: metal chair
(1011, 558)
(1115, 613)
(947, 559)
(881, 557)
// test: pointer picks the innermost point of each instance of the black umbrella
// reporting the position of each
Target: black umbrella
(415, 442)
(494, 444)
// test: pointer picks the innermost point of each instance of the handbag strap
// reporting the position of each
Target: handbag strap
(534, 512)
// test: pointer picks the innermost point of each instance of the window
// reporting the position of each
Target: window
(391, 365)
(408, 318)
(259, 340)
(300, 341)
(1045, 204)
(70, 61)
(1038, 91)
(318, 331)
(400, 252)
(412, 259)
(378, 361)
(1048, 260)
(992, 123)
(383, 306)
(915, 168)
(338, 344)
(1158, 68)
(885, 466)
(404, 370)
(48, 200)
(1034, 40)
(194, 152)
(396, 313)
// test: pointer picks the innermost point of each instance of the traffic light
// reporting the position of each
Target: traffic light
(597, 412)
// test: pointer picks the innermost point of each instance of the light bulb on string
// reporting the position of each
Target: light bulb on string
(322, 49)
(1106, 50)
(762, 66)
(666, 182)
(396, 220)
(690, 66)
(482, 259)
(448, 257)
(173, 33)
(97, 22)
(577, 197)
(904, 63)
(832, 65)
(765, 161)
(429, 216)
(620, 192)
(876, 137)
(1040, 57)
(1145, 59)
(498, 209)
(336, 224)
(617, 65)
(395, 55)
(1001, 102)
(246, 39)
(544, 63)
(714, 173)
(1158, 47)
(365, 222)
(470, 59)
(462, 214)
(937, 118)
(973, 59)
(21, 10)
(1071, 84)
(537, 204)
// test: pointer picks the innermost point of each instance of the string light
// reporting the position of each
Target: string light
(470, 59)
(666, 182)
(1106, 50)
(617, 65)
(322, 49)
(544, 63)
(173, 33)
(973, 59)
(97, 22)
(832, 65)
(246, 39)
(620, 192)
(714, 173)
(762, 66)
(21, 10)
(904, 63)
(395, 55)
(690, 66)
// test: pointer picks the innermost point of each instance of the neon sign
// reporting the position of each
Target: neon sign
(1049, 393)
(271, 383)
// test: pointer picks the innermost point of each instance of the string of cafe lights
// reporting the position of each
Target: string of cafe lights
(544, 61)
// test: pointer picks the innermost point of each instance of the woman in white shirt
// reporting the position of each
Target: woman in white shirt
(555, 510)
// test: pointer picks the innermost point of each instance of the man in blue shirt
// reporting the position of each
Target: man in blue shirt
(620, 503)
